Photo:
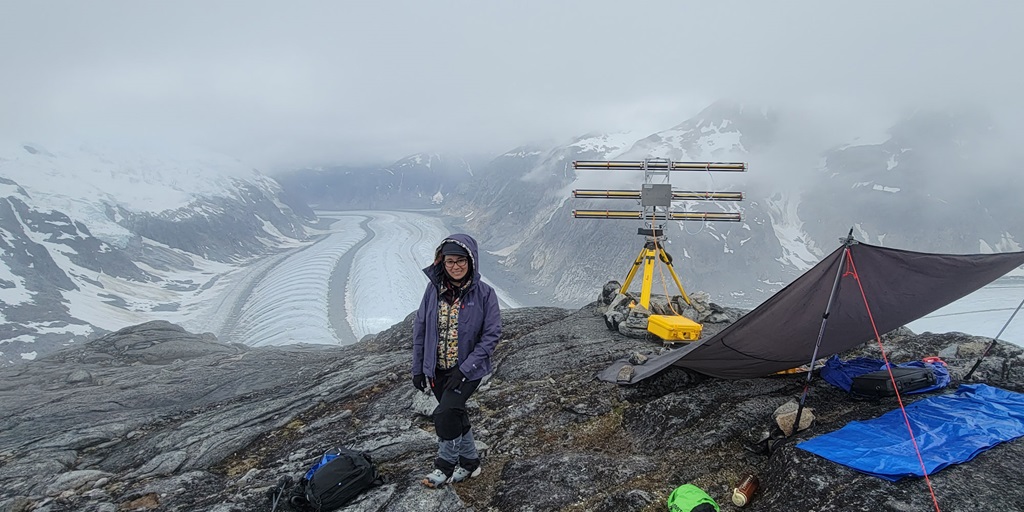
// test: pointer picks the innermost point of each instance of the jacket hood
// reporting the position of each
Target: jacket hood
(467, 242)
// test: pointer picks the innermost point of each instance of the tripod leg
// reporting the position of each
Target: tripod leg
(668, 263)
(632, 271)
(645, 291)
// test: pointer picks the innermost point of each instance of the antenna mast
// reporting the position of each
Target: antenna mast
(656, 209)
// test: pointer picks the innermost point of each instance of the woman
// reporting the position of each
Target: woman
(456, 329)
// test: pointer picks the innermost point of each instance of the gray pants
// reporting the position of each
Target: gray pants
(461, 451)
(455, 443)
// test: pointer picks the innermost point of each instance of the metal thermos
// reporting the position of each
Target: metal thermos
(744, 490)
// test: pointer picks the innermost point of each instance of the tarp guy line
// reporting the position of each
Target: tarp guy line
(888, 367)
(993, 342)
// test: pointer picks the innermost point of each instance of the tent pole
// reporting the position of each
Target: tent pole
(993, 342)
(847, 242)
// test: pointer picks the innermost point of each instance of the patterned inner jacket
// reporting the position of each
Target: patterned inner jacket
(479, 319)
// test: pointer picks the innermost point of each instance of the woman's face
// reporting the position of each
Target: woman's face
(456, 266)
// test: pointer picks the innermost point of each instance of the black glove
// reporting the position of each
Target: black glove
(419, 382)
(455, 381)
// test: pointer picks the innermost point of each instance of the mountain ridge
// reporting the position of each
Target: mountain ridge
(93, 241)
(87, 235)
(793, 213)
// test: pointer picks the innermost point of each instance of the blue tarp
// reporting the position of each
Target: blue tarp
(949, 429)
(840, 373)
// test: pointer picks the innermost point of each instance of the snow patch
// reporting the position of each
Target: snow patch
(1007, 243)
(505, 251)
(81, 181)
(789, 230)
(10, 190)
(521, 154)
(876, 139)
(17, 293)
(609, 145)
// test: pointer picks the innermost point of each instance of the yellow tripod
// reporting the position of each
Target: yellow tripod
(646, 258)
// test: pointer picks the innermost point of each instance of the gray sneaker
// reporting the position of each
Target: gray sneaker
(462, 473)
(436, 479)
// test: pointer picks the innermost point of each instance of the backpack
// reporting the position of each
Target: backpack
(334, 481)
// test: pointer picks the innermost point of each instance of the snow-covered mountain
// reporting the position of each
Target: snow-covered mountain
(913, 191)
(939, 181)
(522, 209)
(416, 181)
(94, 239)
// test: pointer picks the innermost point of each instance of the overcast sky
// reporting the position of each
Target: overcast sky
(292, 83)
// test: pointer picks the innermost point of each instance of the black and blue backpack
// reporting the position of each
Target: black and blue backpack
(337, 479)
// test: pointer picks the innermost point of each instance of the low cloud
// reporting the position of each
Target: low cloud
(334, 82)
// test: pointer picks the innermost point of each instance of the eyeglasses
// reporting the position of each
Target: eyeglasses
(461, 262)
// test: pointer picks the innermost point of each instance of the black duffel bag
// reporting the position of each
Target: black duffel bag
(878, 384)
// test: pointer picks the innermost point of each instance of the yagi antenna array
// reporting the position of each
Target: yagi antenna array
(655, 164)
(656, 198)
(677, 195)
(629, 214)
(656, 208)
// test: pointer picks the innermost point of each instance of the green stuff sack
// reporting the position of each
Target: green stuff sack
(690, 498)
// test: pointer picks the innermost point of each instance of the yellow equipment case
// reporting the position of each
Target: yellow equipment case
(674, 328)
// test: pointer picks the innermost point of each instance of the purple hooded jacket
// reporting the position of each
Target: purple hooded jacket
(479, 319)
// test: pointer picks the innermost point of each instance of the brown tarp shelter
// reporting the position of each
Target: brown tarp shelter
(898, 287)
